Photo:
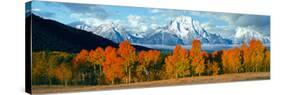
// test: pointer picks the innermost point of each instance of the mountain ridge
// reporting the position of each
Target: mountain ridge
(51, 35)
(181, 30)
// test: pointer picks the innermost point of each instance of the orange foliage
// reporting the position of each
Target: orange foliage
(119, 63)
(231, 60)
(128, 55)
(215, 68)
(97, 56)
(254, 55)
(81, 57)
(266, 63)
(177, 64)
(196, 48)
(127, 52)
(112, 67)
(63, 73)
(198, 62)
(147, 59)
(257, 53)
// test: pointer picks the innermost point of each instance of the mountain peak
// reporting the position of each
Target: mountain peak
(181, 30)
(81, 25)
(112, 31)
(183, 19)
(245, 35)
(181, 26)
(187, 29)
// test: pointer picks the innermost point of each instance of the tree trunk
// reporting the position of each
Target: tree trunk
(256, 67)
(126, 71)
(76, 78)
(65, 83)
(94, 69)
(100, 70)
(83, 78)
(50, 81)
(112, 81)
(129, 75)
(94, 75)
(99, 82)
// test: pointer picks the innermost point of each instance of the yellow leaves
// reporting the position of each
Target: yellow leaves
(196, 48)
(147, 61)
(200, 67)
(177, 64)
(170, 66)
(215, 68)
(119, 63)
(254, 56)
(148, 57)
(231, 60)
(127, 52)
(44, 64)
(266, 63)
(198, 62)
(97, 56)
(249, 58)
(63, 72)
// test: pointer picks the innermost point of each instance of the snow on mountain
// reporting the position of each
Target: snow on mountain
(182, 30)
(81, 26)
(112, 31)
(245, 34)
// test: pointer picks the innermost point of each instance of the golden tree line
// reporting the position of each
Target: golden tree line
(126, 65)
(252, 57)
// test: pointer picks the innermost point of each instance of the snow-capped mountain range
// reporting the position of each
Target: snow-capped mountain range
(181, 30)
(81, 26)
(245, 35)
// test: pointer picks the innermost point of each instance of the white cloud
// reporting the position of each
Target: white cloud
(155, 10)
(222, 26)
(137, 23)
(222, 30)
(36, 9)
(206, 26)
(96, 22)
(135, 20)
(143, 28)
(153, 18)
(253, 28)
(76, 15)
(245, 20)
(228, 18)
(92, 21)
(256, 33)
(258, 23)
(86, 10)
(154, 26)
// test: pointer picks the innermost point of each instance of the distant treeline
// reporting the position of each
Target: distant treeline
(126, 65)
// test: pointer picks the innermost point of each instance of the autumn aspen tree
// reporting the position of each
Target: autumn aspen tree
(128, 54)
(197, 63)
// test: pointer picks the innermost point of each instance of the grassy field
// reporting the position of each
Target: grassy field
(170, 82)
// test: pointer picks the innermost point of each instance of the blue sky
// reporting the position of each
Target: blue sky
(145, 19)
